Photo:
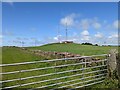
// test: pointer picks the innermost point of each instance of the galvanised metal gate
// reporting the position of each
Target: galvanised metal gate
(69, 73)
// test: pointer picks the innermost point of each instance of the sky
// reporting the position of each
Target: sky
(38, 23)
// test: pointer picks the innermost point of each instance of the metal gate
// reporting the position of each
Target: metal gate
(69, 73)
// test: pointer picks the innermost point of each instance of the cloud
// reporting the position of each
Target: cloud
(87, 23)
(22, 39)
(113, 39)
(57, 38)
(8, 33)
(68, 20)
(19, 38)
(96, 25)
(105, 21)
(1, 36)
(99, 35)
(84, 23)
(116, 24)
(85, 33)
(85, 36)
(113, 36)
(16, 41)
(33, 38)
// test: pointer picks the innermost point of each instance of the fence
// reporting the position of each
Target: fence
(67, 73)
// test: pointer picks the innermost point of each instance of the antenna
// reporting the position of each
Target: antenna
(66, 32)
(59, 34)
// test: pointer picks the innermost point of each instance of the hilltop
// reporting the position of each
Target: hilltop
(74, 48)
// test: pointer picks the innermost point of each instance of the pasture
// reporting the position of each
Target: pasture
(15, 55)
(75, 48)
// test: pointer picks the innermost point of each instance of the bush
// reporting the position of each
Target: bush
(87, 43)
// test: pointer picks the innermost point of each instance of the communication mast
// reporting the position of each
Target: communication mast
(66, 32)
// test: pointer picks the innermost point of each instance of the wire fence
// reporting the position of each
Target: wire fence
(75, 72)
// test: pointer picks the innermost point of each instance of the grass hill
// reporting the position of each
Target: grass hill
(75, 48)
(15, 55)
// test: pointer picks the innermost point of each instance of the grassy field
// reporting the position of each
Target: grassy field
(14, 55)
(75, 48)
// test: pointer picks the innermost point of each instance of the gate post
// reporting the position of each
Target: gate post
(112, 63)
(118, 68)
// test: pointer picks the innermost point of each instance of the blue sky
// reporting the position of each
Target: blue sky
(38, 23)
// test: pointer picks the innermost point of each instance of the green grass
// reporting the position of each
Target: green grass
(75, 48)
(14, 55)
(108, 83)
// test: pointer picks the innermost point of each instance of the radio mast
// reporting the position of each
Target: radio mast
(66, 32)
